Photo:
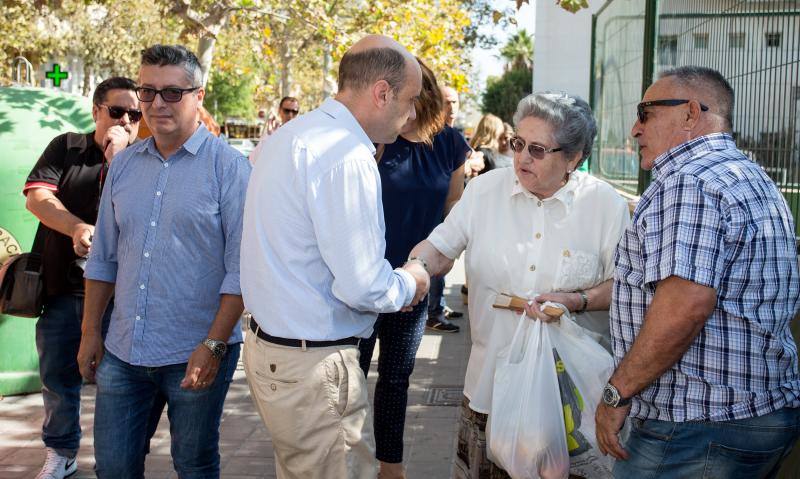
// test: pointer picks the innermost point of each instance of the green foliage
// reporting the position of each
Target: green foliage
(573, 6)
(502, 94)
(230, 95)
(518, 51)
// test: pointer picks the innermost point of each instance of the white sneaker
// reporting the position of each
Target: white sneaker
(57, 466)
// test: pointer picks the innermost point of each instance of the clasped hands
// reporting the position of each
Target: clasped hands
(422, 279)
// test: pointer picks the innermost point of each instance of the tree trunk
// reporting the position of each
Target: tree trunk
(327, 84)
(286, 74)
(205, 53)
(87, 83)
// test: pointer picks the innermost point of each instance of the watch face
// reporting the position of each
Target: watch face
(609, 396)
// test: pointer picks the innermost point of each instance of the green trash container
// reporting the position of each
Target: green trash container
(29, 119)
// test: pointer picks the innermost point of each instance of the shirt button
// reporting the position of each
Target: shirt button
(166, 165)
(538, 203)
(152, 223)
(533, 267)
(538, 235)
(138, 318)
(141, 286)
(146, 254)
(158, 193)
(273, 387)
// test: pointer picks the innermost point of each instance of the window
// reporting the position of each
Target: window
(736, 40)
(668, 50)
(773, 40)
(701, 41)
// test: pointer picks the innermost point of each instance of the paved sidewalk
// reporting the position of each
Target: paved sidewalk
(246, 450)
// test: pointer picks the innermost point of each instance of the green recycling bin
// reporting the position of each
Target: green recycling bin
(29, 119)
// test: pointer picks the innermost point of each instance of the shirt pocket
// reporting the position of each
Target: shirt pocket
(577, 270)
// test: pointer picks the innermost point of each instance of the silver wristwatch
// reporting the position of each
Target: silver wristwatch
(611, 397)
(218, 348)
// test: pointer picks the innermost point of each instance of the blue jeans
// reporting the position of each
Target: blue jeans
(747, 448)
(58, 338)
(436, 302)
(400, 335)
(125, 397)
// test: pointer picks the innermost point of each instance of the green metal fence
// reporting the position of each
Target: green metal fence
(754, 43)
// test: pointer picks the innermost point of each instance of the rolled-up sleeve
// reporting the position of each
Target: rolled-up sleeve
(233, 187)
(345, 207)
(102, 263)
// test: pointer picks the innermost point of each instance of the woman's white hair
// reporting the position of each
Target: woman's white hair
(569, 115)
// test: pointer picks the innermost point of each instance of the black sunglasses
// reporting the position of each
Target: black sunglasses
(536, 151)
(117, 112)
(287, 111)
(642, 115)
(169, 95)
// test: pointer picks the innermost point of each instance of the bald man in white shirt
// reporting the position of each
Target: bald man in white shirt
(313, 271)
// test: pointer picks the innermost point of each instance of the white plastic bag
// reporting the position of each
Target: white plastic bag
(584, 370)
(552, 374)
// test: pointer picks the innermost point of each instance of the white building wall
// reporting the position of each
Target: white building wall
(563, 48)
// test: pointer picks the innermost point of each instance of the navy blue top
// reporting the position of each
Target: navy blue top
(415, 179)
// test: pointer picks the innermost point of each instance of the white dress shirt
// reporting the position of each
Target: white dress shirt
(312, 255)
(517, 244)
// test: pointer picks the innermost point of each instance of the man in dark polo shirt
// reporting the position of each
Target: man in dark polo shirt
(63, 191)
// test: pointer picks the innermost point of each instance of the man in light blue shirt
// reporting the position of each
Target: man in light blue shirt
(167, 248)
(313, 269)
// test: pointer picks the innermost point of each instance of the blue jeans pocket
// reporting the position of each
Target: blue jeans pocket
(725, 462)
(651, 429)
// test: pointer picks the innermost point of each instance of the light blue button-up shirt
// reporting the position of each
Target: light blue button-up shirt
(168, 234)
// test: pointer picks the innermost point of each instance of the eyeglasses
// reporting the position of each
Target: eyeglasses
(169, 95)
(536, 151)
(642, 115)
(289, 111)
(117, 112)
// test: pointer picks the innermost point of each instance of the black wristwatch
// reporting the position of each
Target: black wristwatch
(612, 398)
(218, 348)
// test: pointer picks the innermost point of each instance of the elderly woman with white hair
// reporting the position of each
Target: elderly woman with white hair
(541, 231)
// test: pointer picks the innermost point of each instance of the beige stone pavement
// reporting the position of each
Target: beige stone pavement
(245, 447)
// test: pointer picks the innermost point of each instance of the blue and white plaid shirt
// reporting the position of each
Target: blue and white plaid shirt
(713, 217)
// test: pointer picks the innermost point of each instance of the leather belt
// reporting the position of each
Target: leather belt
(300, 343)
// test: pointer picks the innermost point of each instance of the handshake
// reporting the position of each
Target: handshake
(418, 268)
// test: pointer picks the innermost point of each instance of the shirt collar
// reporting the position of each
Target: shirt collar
(565, 195)
(80, 142)
(339, 111)
(192, 145)
(693, 148)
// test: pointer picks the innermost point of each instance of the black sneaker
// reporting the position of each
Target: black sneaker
(450, 314)
(442, 325)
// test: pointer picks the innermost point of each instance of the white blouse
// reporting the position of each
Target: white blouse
(520, 245)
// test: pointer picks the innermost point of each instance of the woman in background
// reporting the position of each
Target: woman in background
(422, 177)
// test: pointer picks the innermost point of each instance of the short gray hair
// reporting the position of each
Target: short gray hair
(694, 77)
(178, 55)
(570, 116)
(361, 69)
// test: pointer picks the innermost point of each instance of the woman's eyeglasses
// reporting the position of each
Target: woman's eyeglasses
(117, 112)
(536, 151)
(642, 114)
(289, 111)
(169, 95)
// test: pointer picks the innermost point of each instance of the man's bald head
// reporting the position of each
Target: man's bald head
(451, 104)
(374, 58)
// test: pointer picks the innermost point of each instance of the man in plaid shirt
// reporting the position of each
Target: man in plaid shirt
(706, 284)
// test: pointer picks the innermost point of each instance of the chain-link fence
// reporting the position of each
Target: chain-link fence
(754, 43)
